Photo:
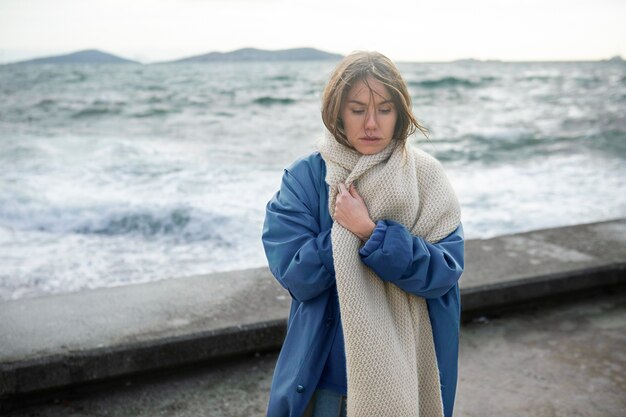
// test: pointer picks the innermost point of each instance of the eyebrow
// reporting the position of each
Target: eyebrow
(364, 104)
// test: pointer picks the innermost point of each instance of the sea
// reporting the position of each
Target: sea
(120, 174)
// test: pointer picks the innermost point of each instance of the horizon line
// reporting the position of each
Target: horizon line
(172, 60)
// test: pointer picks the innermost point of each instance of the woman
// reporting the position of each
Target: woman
(365, 234)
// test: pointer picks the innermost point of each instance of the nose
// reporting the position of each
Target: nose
(370, 121)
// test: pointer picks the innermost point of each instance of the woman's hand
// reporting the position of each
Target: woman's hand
(351, 212)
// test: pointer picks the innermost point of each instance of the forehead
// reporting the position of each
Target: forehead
(362, 90)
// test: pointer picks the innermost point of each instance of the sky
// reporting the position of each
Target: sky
(405, 31)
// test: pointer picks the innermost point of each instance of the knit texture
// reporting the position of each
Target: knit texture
(390, 353)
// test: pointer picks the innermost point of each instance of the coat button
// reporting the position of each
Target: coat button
(300, 389)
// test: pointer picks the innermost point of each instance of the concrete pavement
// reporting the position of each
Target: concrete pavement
(73, 339)
(568, 359)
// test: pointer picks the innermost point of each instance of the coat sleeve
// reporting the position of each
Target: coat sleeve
(298, 253)
(425, 269)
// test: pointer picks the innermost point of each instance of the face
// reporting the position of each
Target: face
(369, 116)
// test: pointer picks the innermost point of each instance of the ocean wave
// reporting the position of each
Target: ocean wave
(76, 77)
(589, 82)
(611, 142)
(93, 112)
(153, 87)
(280, 78)
(154, 112)
(268, 101)
(447, 82)
(99, 108)
(492, 148)
(511, 146)
(178, 223)
(45, 103)
(155, 100)
(541, 78)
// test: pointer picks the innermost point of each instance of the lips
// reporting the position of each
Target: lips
(373, 138)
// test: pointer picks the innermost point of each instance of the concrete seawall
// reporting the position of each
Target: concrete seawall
(63, 340)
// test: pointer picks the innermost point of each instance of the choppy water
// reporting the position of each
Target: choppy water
(111, 175)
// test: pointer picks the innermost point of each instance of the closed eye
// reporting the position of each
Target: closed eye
(384, 111)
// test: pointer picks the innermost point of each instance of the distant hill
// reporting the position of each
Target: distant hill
(252, 54)
(88, 56)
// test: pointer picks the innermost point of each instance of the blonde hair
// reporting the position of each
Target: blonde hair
(358, 66)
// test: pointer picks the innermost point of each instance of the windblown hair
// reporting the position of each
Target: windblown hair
(359, 66)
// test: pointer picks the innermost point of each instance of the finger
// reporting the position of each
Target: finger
(342, 188)
(353, 191)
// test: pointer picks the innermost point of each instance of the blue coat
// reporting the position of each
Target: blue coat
(296, 238)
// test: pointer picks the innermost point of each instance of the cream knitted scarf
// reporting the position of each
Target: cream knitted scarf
(390, 354)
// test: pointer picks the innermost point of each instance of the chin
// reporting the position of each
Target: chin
(369, 151)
